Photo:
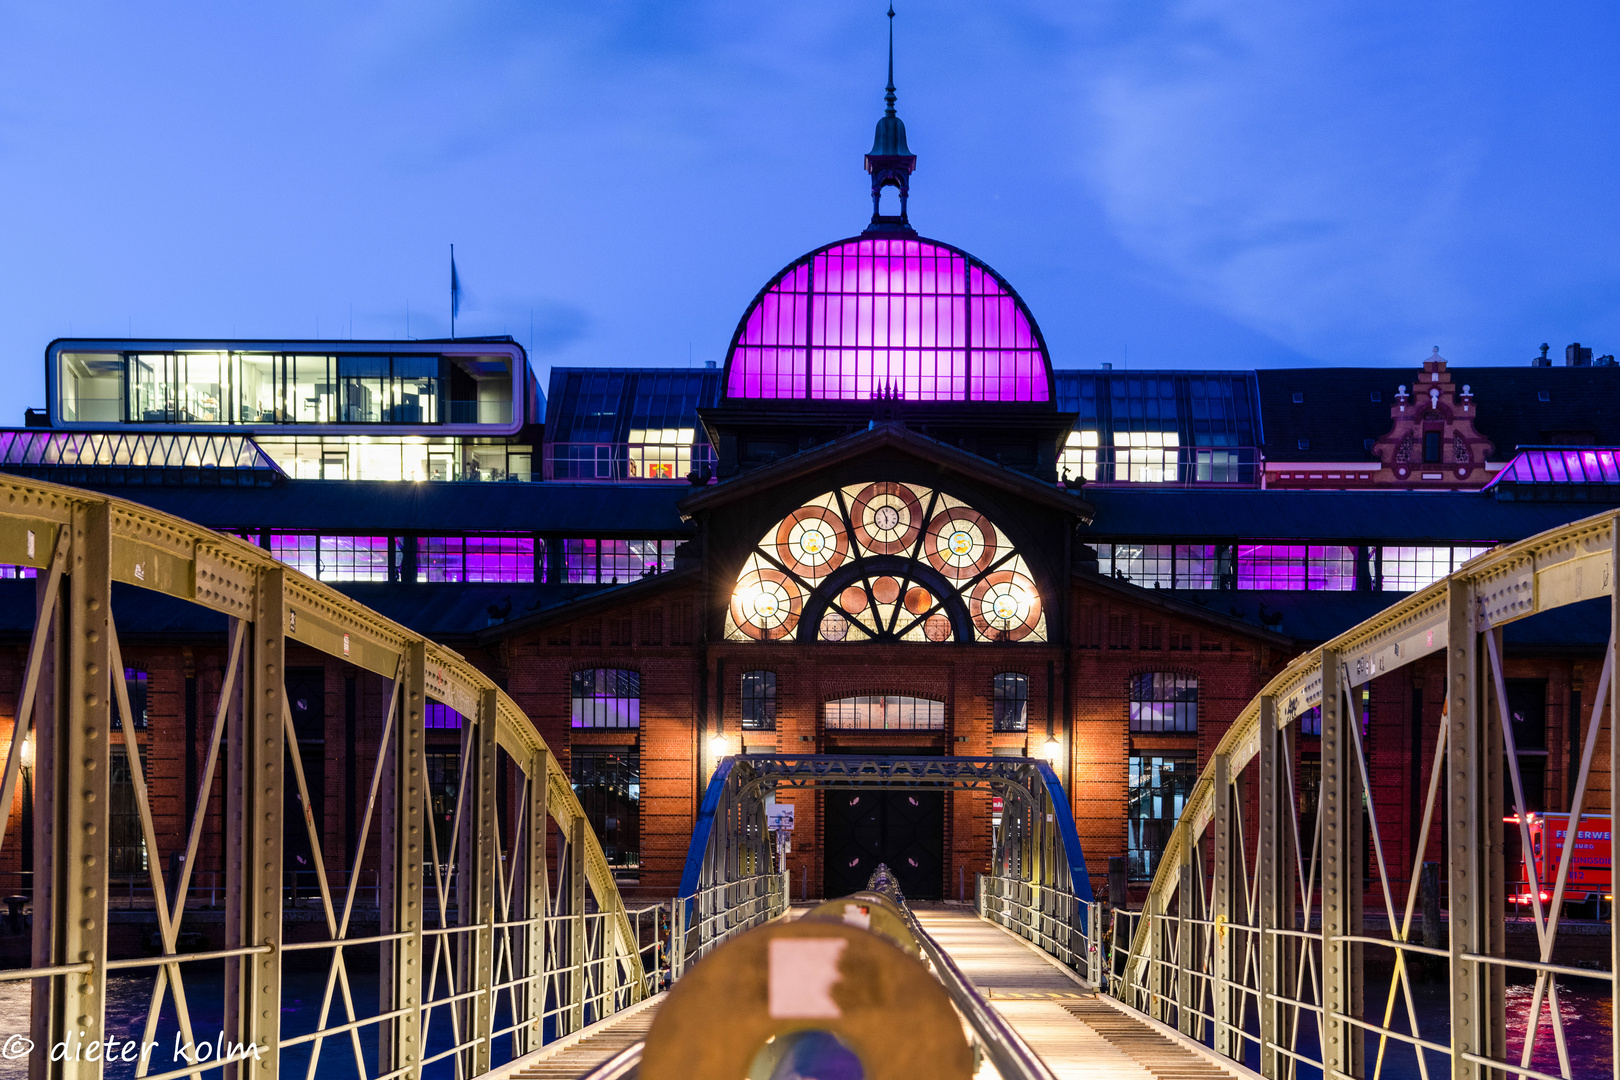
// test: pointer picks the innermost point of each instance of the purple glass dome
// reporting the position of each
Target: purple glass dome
(876, 317)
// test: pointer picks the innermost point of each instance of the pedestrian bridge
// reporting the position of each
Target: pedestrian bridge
(499, 944)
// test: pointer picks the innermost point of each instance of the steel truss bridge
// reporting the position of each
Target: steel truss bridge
(503, 938)
(485, 952)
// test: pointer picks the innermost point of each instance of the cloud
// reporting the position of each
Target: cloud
(1301, 167)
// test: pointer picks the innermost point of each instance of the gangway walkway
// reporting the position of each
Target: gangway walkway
(1077, 1035)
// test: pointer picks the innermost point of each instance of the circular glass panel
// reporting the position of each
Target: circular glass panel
(961, 543)
(810, 542)
(887, 517)
(1005, 606)
(765, 604)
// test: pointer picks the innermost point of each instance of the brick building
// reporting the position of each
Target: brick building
(884, 523)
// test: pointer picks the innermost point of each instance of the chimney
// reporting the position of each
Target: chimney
(1575, 356)
(1543, 360)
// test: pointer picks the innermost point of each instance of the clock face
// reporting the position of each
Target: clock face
(887, 517)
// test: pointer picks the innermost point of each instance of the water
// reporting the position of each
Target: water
(1584, 1007)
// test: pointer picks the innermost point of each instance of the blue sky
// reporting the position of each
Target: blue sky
(1168, 184)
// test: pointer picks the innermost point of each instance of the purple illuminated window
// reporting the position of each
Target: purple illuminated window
(869, 317)
(605, 698)
(298, 552)
(439, 715)
(616, 562)
(1314, 567)
(335, 558)
(475, 558)
(10, 571)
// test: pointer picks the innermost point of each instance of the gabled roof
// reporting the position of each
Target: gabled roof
(882, 436)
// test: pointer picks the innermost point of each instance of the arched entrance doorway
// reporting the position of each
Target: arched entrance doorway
(904, 829)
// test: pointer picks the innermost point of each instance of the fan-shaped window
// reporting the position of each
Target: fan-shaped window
(1010, 697)
(759, 701)
(606, 698)
(1164, 701)
(885, 562)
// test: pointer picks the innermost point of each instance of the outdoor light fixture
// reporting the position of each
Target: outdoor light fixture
(718, 745)
(1053, 749)
(28, 751)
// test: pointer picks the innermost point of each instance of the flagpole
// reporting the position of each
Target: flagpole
(452, 292)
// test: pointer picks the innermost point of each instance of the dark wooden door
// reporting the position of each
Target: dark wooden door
(903, 829)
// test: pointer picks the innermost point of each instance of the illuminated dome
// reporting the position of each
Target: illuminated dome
(888, 317)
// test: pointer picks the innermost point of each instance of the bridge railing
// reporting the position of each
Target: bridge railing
(1054, 919)
(1279, 929)
(468, 917)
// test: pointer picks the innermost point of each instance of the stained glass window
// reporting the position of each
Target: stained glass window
(885, 561)
(909, 318)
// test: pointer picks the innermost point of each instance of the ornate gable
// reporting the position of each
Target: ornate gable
(1432, 441)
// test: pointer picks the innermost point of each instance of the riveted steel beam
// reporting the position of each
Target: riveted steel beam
(1341, 810)
(263, 755)
(537, 896)
(1475, 798)
(78, 915)
(404, 982)
(1224, 907)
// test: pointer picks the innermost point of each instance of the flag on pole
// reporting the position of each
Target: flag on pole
(455, 291)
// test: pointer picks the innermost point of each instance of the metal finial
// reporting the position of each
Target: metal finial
(888, 97)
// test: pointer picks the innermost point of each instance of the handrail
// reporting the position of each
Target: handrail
(65, 532)
(1012, 1057)
(1549, 570)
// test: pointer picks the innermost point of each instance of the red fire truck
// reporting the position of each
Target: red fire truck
(1590, 874)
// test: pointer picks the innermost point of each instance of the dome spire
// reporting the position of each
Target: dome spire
(888, 97)
(890, 161)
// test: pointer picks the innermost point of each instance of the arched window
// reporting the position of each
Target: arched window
(606, 698)
(885, 561)
(1010, 696)
(759, 701)
(885, 712)
(1164, 701)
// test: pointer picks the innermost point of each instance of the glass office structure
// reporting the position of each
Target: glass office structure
(481, 385)
(384, 410)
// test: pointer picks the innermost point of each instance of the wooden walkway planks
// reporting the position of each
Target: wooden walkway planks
(1079, 1036)
(573, 1061)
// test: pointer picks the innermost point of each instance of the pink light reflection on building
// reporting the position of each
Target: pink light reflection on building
(870, 316)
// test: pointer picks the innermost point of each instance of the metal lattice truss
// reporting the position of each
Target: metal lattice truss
(471, 922)
(1252, 937)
